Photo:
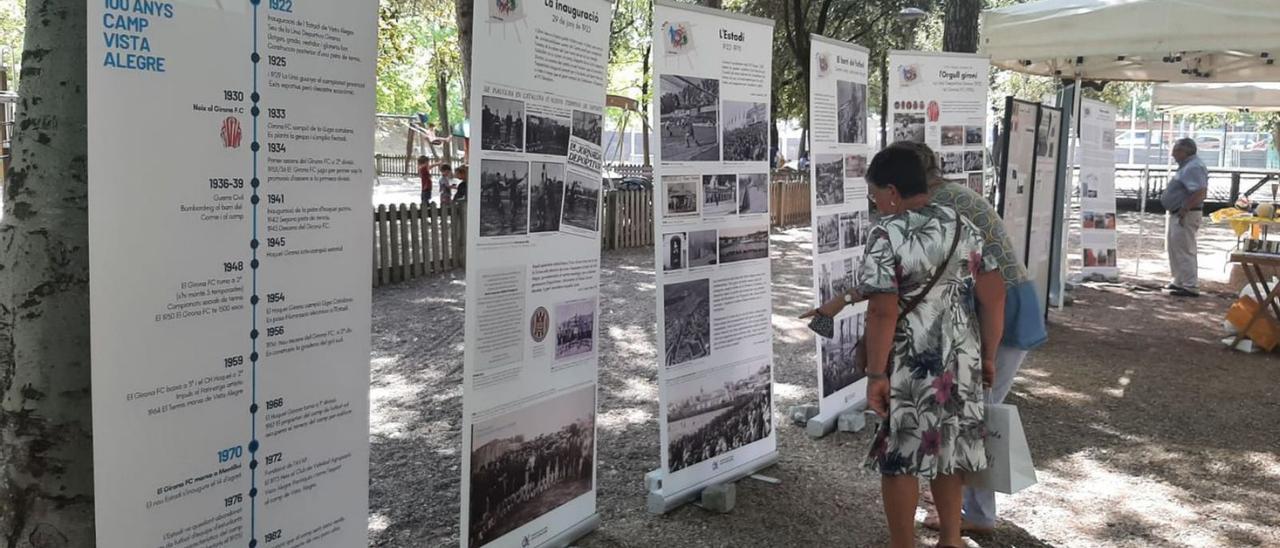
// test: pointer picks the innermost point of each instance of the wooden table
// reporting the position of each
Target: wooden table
(1268, 297)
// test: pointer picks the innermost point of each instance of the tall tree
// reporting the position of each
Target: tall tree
(960, 26)
(46, 489)
(464, 11)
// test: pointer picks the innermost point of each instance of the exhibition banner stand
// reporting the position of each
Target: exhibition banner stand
(1097, 189)
(715, 336)
(940, 99)
(229, 182)
(1040, 230)
(841, 224)
(1018, 171)
(533, 273)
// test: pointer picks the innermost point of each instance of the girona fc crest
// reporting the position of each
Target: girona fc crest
(679, 38)
(505, 11)
(231, 132)
(506, 7)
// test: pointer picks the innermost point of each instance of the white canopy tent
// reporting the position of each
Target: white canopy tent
(1217, 98)
(1137, 40)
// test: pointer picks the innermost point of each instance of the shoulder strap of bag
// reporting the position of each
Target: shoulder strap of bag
(937, 275)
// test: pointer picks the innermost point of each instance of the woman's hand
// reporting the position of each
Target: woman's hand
(828, 309)
(878, 395)
(988, 373)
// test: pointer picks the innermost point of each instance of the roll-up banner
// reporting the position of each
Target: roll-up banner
(533, 272)
(1098, 188)
(1016, 175)
(229, 183)
(940, 99)
(1040, 231)
(715, 338)
(838, 116)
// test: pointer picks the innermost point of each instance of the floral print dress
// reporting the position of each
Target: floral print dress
(935, 424)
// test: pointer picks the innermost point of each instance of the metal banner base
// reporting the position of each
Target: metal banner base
(823, 424)
(660, 501)
(579, 530)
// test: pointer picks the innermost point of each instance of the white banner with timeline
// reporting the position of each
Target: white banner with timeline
(1097, 188)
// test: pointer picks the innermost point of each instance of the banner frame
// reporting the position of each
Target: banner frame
(713, 11)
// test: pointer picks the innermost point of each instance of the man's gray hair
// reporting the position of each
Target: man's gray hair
(1186, 143)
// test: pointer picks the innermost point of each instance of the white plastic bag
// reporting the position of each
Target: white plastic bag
(1009, 466)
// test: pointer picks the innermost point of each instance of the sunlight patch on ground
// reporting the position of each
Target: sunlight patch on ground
(632, 340)
(1032, 388)
(378, 522)
(785, 391)
(1121, 384)
(389, 413)
(620, 419)
(637, 389)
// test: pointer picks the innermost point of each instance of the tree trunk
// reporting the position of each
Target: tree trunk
(464, 13)
(644, 105)
(442, 104)
(710, 3)
(46, 492)
(960, 32)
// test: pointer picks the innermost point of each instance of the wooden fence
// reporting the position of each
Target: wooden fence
(627, 219)
(789, 204)
(411, 241)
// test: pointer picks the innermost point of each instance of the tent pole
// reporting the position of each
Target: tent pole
(1146, 190)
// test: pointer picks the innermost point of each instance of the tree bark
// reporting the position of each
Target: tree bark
(960, 31)
(442, 104)
(464, 14)
(46, 489)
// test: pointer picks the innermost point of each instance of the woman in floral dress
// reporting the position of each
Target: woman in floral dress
(926, 370)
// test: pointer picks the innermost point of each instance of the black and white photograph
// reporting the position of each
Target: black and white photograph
(973, 160)
(952, 162)
(682, 195)
(908, 127)
(828, 233)
(855, 166)
(702, 248)
(830, 183)
(746, 131)
(686, 308)
(854, 229)
(529, 462)
(689, 125)
(753, 193)
(716, 413)
(743, 244)
(838, 368)
(503, 121)
(674, 251)
(952, 136)
(851, 108)
(504, 194)
(719, 195)
(587, 126)
(582, 201)
(834, 277)
(575, 328)
(547, 134)
(973, 135)
(546, 192)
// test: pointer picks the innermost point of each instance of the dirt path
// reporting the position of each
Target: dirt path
(1145, 433)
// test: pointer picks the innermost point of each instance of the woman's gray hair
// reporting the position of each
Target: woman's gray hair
(1186, 143)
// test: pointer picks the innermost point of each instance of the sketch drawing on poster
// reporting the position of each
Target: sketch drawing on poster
(582, 202)
(586, 126)
(548, 134)
(701, 245)
(746, 131)
(503, 121)
(575, 328)
(530, 461)
(828, 232)
(830, 179)
(908, 127)
(674, 251)
(682, 195)
(545, 195)
(717, 412)
(689, 124)
(838, 366)
(687, 315)
(504, 187)
(851, 98)
(719, 195)
(855, 166)
(753, 193)
(743, 244)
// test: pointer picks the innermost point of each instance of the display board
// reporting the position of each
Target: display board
(1040, 231)
(533, 272)
(715, 336)
(1018, 171)
(1097, 188)
(229, 181)
(940, 99)
(841, 223)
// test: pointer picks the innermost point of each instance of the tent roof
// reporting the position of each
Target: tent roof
(1140, 40)
(1195, 98)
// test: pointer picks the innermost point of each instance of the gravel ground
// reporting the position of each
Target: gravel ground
(1144, 431)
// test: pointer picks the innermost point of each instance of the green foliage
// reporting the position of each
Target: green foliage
(417, 40)
(12, 27)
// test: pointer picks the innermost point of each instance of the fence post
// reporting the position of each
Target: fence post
(415, 240)
(384, 243)
(617, 219)
(1235, 188)
(397, 275)
(374, 248)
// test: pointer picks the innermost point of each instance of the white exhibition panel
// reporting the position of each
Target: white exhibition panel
(1040, 232)
(1097, 187)
(940, 99)
(533, 272)
(1019, 172)
(715, 336)
(229, 183)
(839, 202)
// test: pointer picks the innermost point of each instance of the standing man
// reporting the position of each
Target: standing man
(1183, 201)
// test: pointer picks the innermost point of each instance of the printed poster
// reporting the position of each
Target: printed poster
(841, 223)
(1019, 171)
(230, 174)
(533, 272)
(1040, 235)
(715, 337)
(940, 99)
(1097, 188)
